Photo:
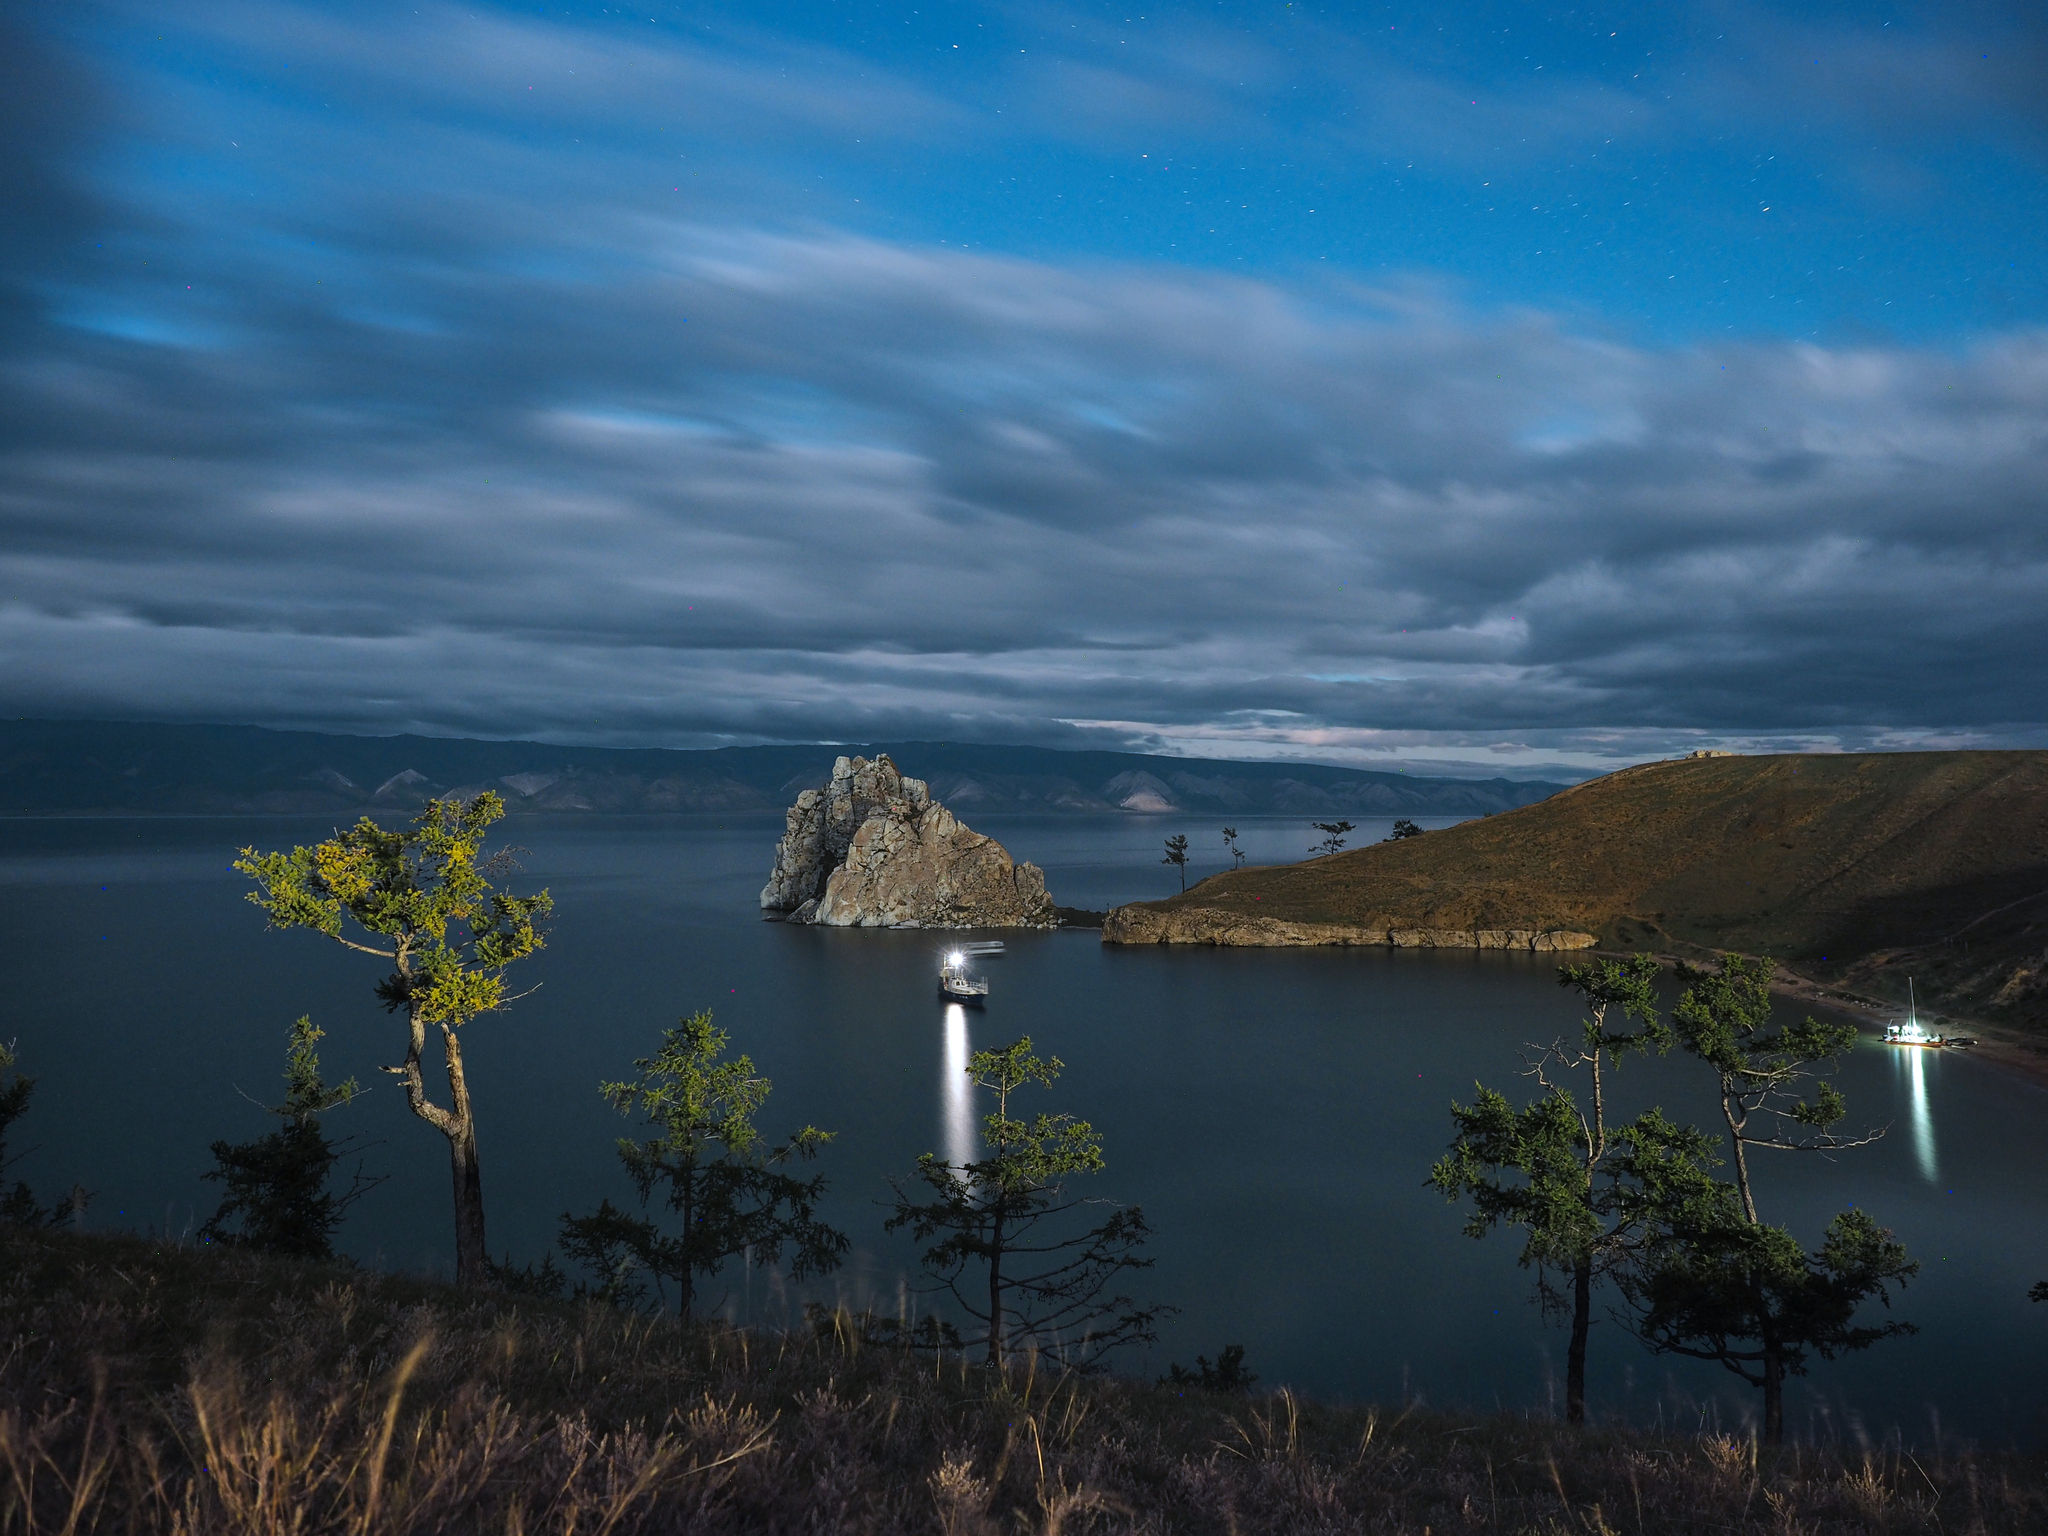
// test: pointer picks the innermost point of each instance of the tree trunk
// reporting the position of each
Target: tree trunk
(995, 1297)
(472, 1256)
(1575, 1355)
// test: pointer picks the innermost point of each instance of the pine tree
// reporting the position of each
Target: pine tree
(1541, 1168)
(277, 1198)
(1007, 1251)
(711, 1172)
(1720, 1284)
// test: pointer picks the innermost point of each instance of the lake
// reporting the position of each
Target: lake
(1274, 1112)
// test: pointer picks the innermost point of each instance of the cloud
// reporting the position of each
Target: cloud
(476, 449)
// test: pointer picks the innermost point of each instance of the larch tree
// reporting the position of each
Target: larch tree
(710, 1168)
(420, 899)
(1009, 1248)
(1177, 855)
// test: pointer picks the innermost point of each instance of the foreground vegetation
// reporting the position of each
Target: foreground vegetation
(148, 1387)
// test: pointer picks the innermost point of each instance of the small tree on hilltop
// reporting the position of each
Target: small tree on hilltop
(1230, 844)
(1718, 1283)
(424, 896)
(1177, 855)
(710, 1170)
(1540, 1168)
(1403, 828)
(1000, 1252)
(1333, 835)
(277, 1199)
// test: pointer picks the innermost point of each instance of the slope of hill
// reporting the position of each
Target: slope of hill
(72, 767)
(1856, 869)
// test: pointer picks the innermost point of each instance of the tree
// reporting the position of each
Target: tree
(1403, 827)
(1718, 1283)
(1333, 835)
(1230, 843)
(1000, 1252)
(1177, 855)
(19, 1206)
(426, 893)
(711, 1171)
(1227, 1376)
(277, 1199)
(1540, 1168)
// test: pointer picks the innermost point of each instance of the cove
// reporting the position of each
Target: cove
(1275, 1112)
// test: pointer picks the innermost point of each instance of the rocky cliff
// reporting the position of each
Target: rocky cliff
(873, 849)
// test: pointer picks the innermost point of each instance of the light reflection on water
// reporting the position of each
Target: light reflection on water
(957, 1093)
(1915, 1068)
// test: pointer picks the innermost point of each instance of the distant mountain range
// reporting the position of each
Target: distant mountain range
(58, 767)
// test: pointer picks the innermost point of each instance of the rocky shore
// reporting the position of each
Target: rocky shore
(1214, 925)
(873, 849)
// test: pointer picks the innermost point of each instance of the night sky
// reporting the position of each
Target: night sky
(1487, 384)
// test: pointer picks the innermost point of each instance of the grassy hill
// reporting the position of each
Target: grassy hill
(150, 1387)
(1855, 869)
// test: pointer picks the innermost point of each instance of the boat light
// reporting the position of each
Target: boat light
(956, 958)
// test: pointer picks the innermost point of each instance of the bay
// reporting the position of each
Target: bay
(1274, 1112)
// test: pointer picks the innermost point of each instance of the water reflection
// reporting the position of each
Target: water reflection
(1914, 1064)
(958, 1093)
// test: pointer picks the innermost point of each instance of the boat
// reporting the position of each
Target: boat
(1908, 1031)
(957, 985)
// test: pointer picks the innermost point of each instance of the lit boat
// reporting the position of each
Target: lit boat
(1908, 1031)
(956, 985)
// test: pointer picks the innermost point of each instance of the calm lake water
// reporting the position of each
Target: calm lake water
(1275, 1112)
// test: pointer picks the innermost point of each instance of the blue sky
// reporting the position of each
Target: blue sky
(1520, 386)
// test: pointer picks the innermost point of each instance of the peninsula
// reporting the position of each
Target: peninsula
(1855, 870)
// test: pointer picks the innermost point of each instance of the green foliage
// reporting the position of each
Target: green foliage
(1718, 1283)
(1544, 1168)
(426, 891)
(1230, 845)
(1333, 835)
(423, 896)
(1177, 855)
(277, 1198)
(1749, 1296)
(1227, 1376)
(710, 1170)
(1403, 828)
(1003, 1252)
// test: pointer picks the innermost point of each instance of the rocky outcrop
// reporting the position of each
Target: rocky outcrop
(1214, 925)
(873, 849)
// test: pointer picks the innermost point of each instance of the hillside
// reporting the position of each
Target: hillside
(1856, 870)
(73, 767)
(158, 1388)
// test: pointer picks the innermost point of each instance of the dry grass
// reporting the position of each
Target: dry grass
(149, 1388)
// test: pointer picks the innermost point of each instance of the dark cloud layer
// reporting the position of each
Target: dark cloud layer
(476, 450)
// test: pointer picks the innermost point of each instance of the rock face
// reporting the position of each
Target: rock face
(1212, 925)
(873, 849)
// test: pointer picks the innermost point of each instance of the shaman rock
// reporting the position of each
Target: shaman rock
(874, 850)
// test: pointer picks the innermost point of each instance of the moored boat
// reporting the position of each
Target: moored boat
(957, 985)
(1909, 1031)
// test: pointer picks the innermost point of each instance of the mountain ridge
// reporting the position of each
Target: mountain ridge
(55, 767)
